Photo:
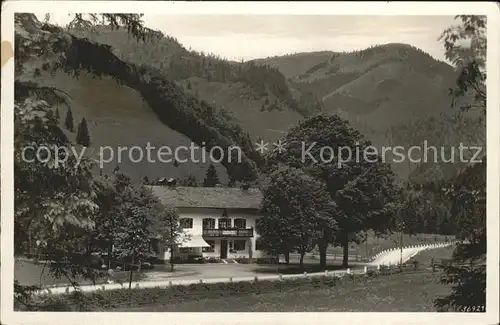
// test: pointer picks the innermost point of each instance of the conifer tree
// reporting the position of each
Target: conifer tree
(211, 177)
(69, 121)
(82, 136)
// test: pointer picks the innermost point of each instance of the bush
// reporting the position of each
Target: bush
(371, 273)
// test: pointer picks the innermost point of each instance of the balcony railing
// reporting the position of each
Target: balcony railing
(228, 232)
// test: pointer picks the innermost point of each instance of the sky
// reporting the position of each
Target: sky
(246, 37)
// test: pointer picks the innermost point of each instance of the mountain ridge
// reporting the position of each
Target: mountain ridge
(378, 90)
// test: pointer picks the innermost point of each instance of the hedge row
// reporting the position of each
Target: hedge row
(179, 293)
(113, 299)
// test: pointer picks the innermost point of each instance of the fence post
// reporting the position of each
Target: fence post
(230, 279)
(366, 270)
(103, 288)
(378, 267)
(67, 290)
(281, 277)
(348, 271)
(137, 285)
(256, 279)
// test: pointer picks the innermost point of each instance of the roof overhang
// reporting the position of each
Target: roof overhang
(193, 241)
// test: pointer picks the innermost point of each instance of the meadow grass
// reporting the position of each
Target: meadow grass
(404, 292)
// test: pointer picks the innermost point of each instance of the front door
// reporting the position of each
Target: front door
(223, 249)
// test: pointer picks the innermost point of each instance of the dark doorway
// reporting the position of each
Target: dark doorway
(223, 249)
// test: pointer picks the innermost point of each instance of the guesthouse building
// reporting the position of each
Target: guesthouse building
(217, 222)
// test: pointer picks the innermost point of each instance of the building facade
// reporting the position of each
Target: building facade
(217, 222)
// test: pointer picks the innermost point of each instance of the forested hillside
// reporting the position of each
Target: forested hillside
(114, 103)
(394, 94)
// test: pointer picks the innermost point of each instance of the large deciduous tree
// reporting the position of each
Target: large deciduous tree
(168, 230)
(297, 209)
(55, 193)
(326, 148)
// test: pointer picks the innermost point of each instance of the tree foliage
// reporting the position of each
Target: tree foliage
(296, 209)
(182, 112)
(465, 45)
(467, 192)
(211, 177)
(361, 188)
(82, 135)
(467, 272)
(68, 122)
(59, 206)
(165, 53)
(189, 181)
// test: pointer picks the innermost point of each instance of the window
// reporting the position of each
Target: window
(208, 223)
(186, 250)
(239, 245)
(224, 223)
(210, 249)
(240, 223)
(186, 223)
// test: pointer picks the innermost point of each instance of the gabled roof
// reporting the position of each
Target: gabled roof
(208, 197)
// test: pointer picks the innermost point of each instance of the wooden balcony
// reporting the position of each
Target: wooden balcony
(228, 232)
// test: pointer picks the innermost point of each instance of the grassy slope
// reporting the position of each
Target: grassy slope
(243, 104)
(245, 109)
(297, 64)
(382, 91)
(117, 116)
(382, 85)
(377, 90)
(398, 292)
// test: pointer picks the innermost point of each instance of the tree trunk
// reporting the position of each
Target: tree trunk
(322, 245)
(287, 258)
(301, 264)
(345, 246)
(130, 278)
(172, 258)
(130, 275)
(110, 253)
